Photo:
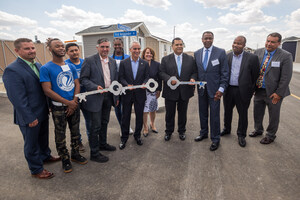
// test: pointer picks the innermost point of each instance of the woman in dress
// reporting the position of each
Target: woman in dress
(151, 105)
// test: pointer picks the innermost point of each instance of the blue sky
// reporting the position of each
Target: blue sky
(226, 18)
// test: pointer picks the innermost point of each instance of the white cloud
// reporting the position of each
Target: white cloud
(253, 4)
(7, 36)
(222, 4)
(247, 17)
(293, 24)
(7, 19)
(154, 3)
(209, 18)
(260, 29)
(5, 28)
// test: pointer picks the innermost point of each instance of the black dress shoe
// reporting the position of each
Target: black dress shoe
(107, 147)
(242, 141)
(214, 146)
(100, 158)
(182, 136)
(200, 138)
(122, 145)
(139, 141)
(167, 137)
(255, 133)
(225, 132)
(266, 140)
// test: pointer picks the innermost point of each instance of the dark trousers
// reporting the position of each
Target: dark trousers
(182, 107)
(36, 145)
(231, 99)
(99, 123)
(118, 111)
(126, 115)
(60, 121)
(261, 100)
(206, 103)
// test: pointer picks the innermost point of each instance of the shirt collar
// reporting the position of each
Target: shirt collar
(29, 63)
(105, 60)
(209, 49)
(271, 53)
(238, 56)
(133, 60)
(177, 55)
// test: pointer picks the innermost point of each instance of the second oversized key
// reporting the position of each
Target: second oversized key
(173, 87)
(151, 85)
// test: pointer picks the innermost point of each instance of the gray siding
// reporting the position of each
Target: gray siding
(90, 42)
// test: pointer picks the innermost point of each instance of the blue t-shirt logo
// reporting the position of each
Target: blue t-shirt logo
(65, 81)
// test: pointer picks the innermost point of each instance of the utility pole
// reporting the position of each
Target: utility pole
(174, 32)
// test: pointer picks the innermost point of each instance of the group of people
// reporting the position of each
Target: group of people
(33, 89)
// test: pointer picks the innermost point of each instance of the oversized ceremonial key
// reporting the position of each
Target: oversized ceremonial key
(114, 88)
(148, 85)
(173, 87)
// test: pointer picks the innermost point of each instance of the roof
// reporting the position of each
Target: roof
(110, 28)
(159, 39)
(292, 38)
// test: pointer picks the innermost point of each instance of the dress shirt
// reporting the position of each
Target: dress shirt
(265, 56)
(32, 66)
(106, 71)
(135, 66)
(235, 69)
(176, 60)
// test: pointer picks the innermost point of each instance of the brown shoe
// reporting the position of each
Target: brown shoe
(43, 175)
(52, 159)
(266, 140)
(255, 133)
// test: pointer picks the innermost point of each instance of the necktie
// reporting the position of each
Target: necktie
(178, 65)
(34, 68)
(260, 79)
(205, 59)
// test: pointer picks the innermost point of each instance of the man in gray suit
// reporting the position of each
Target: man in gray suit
(243, 73)
(276, 68)
(183, 67)
(212, 67)
(98, 72)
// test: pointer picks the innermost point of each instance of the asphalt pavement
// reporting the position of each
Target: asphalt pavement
(173, 170)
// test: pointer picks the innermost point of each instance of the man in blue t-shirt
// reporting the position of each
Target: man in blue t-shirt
(73, 51)
(60, 83)
(119, 55)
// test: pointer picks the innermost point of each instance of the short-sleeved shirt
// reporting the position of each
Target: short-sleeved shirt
(62, 82)
(78, 67)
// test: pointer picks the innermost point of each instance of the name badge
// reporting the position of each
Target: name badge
(65, 68)
(275, 64)
(215, 62)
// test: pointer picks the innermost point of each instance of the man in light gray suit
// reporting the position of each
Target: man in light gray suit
(212, 67)
(98, 72)
(276, 68)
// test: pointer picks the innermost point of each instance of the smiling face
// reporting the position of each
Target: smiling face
(73, 52)
(118, 46)
(148, 55)
(103, 49)
(238, 45)
(272, 43)
(177, 47)
(135, 50)
(26, 51)
(57, 48)
(207, 40)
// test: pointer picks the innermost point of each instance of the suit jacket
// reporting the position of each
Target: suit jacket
(277, 79)
(248, 75)
(91, 76)
(25, 93)
(126, 78)
(216, 75)
(168, 68)
(154, 73)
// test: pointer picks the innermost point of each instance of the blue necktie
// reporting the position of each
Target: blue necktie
(205, 59)
(178, 65)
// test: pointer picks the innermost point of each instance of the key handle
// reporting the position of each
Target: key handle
(173, 78)
(153, 87)
(173, 87)
(115, 90)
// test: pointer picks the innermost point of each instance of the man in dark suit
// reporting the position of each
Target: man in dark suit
(98, 72)
(212, 67)
(184, 68)
(276, 68)
(133, 71)
(22, 83)
(243, 73)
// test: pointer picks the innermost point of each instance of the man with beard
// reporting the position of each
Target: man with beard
(243, 73)
(60, 83)
(21, 80)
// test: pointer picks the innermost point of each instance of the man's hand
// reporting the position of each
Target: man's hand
(34, 123)
(100, 88)
(192, 80)
(275, 98)
(130, 86)
(218, 96)
(173, 82)
(72, 106)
